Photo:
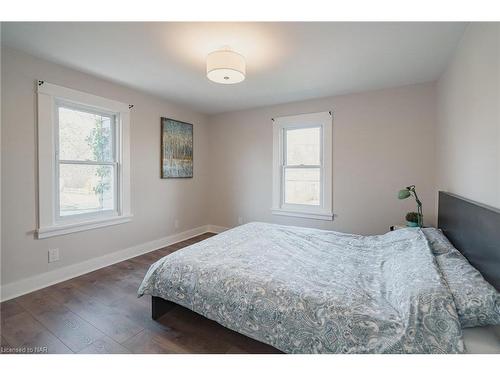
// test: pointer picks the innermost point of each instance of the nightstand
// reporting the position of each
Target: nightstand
(396, 227)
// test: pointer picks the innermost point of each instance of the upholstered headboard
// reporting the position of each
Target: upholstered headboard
(474, 229)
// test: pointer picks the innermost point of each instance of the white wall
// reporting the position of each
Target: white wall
(383, 141)
(468, 126)
(1, 174)
(155, 202)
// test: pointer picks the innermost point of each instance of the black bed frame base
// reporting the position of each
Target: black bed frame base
(160, 307)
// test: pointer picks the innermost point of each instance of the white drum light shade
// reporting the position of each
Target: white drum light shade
(226, 67)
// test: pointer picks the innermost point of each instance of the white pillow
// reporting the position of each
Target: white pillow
(477, 302)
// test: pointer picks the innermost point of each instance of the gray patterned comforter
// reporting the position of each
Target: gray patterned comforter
(312, 291)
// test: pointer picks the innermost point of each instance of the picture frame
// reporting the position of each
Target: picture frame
(176, 149)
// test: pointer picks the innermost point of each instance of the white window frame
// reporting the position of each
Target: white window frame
(323, 120)
(50, 98)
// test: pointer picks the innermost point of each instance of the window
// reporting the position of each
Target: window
(302, 173)
(83, 161)
(86, 162)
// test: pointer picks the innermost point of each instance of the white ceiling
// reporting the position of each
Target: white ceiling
(285, 61)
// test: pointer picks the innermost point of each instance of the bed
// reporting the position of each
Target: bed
(305, 290)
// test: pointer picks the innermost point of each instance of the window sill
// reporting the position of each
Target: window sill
(303, 214)
(61, 229)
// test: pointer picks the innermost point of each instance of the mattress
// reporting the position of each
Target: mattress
(305, 290)
(482, 340)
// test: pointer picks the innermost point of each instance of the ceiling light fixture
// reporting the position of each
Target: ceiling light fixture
(226, 67)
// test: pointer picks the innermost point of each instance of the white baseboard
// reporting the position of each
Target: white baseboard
(216, 228)
(18, 288)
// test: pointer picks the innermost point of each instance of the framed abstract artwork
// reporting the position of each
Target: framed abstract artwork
(176, 149)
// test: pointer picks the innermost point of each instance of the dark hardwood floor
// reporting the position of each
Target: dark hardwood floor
(99, 312)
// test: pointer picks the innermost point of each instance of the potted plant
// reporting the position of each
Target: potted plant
(413, 219)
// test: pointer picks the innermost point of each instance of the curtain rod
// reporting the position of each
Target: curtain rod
(40, 83)
(307, 113)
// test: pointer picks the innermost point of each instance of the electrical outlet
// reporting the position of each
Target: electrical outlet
(176, 224)
(240, 220)
(53, 255)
